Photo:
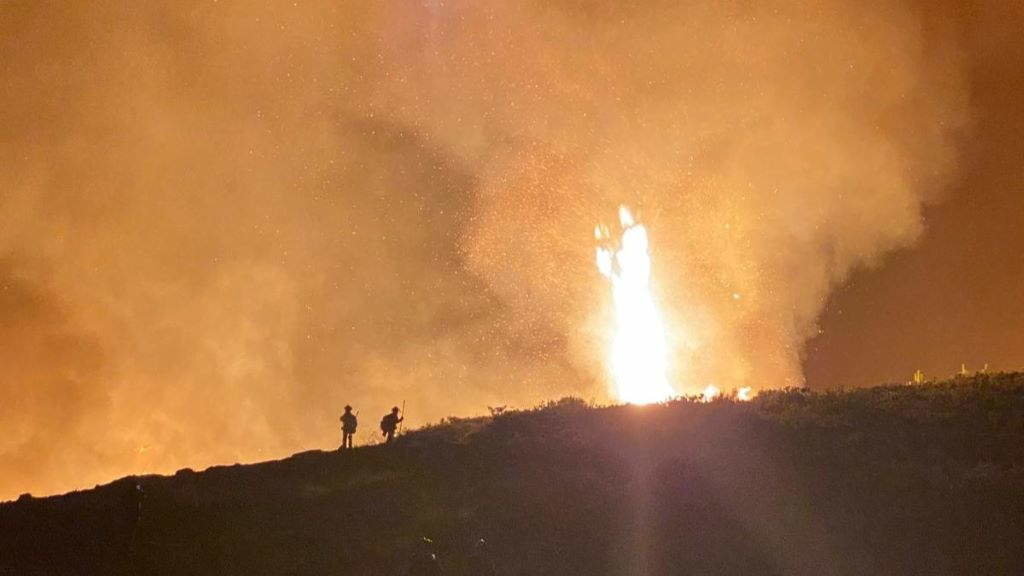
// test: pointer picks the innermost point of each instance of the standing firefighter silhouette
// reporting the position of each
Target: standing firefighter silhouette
(348, 427)
(389, 423)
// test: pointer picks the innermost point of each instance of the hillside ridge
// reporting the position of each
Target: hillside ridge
(890, 480)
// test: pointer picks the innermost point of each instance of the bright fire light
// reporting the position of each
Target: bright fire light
(744, 394)
(710, 393)
(639, 351)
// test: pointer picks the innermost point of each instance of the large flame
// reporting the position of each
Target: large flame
(639, 351)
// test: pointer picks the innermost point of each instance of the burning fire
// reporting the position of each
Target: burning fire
(710, 393)
(639, 351)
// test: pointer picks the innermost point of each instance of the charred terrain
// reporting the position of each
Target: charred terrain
(924, 479)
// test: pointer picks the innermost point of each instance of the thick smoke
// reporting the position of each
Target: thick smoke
(220, 223)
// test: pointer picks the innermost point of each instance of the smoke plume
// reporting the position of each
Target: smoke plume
(220, 223)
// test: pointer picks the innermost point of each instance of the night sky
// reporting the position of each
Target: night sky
(220, 222)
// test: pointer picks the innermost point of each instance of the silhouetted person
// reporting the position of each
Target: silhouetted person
(389, 424)
(348, 427)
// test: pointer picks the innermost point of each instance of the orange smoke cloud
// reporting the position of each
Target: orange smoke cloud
(219, 224)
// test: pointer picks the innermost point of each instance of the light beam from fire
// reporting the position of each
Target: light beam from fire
(639, 352)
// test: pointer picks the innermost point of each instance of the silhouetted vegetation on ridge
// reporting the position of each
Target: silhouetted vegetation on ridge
(924, 479)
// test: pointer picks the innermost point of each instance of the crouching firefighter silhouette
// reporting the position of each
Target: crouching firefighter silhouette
(389, 423)
(348, 427)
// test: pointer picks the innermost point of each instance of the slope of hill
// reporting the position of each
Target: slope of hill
(891, 480)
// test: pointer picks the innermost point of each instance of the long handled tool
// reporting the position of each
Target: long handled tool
(402, 421)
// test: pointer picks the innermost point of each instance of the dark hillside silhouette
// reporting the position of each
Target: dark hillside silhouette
(925, 479)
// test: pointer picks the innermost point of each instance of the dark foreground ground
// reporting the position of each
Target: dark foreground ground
(892, 480)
